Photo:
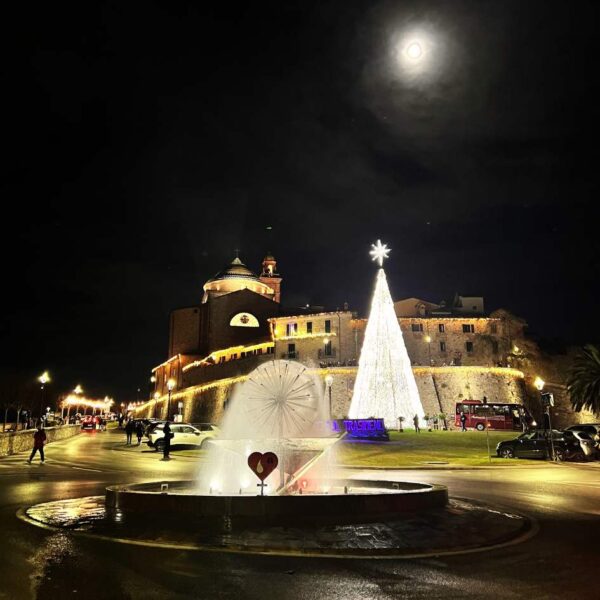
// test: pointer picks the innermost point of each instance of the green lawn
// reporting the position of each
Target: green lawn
(409, 449)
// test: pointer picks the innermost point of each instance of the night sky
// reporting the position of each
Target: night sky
(147, 141)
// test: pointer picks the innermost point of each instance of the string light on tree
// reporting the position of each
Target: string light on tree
(385, 384)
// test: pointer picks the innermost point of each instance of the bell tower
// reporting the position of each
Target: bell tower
(269, 275)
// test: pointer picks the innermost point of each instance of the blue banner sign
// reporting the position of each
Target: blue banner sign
(369, 429)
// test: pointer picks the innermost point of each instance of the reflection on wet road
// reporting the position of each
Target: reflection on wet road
(560, 562)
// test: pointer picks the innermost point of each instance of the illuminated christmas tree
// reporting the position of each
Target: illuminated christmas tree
(385, 384)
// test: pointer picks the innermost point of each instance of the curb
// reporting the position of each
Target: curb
(449, 467)
(528, 530)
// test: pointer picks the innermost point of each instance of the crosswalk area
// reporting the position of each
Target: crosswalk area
(17, 463)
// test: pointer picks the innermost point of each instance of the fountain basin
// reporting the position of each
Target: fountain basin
(366, 501)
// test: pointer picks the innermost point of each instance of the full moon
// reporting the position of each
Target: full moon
(414, 50)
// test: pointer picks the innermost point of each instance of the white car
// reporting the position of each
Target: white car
(183, 434)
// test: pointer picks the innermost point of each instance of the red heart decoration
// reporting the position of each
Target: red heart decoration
(263, 464)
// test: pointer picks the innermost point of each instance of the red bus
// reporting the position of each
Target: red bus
(497, 415)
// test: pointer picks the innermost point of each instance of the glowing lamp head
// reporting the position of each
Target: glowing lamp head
(156, 395)
(78, 389)
(329, 381)
(427, 339)
(44, 378)
(152, 379)
(171, 384)
(539, 383)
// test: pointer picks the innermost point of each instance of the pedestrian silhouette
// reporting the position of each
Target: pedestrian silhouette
(39, 439)
(139, 431)
(416, 422)
(167, 439)
(129, 429)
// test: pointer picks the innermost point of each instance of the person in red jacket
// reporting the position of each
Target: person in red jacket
(39, 439)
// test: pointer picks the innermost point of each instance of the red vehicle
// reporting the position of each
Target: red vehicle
(497, 415)
(90, 422)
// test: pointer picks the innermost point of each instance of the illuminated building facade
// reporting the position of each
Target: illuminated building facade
(456, 350)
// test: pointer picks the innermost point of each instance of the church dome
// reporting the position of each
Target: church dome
(235, 270)
(234, 277)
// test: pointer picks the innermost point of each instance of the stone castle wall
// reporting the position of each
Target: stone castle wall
(438, 386)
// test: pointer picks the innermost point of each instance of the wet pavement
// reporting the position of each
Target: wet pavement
(559, 562)
(462, 525)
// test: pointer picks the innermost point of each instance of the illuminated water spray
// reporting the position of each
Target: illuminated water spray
(385, 384)
(279, 404)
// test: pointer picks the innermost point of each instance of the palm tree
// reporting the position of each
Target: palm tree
(584, 380)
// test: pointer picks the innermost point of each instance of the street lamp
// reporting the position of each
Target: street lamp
(329, 383)
(547, 401)
(170, 387)
(78, 391)
(44, 378)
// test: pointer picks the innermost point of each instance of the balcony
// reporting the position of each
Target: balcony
(290, 355)
(323, 354)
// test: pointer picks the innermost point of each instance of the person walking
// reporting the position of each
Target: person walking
(139, 431)
(39, 439)
(463, 421)
(167, 445)
(416, 422)
(129, 429)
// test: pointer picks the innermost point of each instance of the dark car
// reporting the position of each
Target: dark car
(538, 444)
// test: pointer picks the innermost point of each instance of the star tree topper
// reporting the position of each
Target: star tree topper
(379, 252)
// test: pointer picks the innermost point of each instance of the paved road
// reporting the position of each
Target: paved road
(560, 562)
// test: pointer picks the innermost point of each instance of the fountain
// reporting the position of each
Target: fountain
(280, 408)
(310, 506)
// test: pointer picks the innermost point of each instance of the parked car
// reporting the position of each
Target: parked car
(593, 429)
(184, 434)
(587, 443)
(538, 444)
(152, 425)
(206, 427)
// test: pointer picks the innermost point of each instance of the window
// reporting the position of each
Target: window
(291, 329)
(327, 349)
(494, 327)
(442, 328)
(309, 327)
(494, 346)
(442, 346)
(327, 326)
(417, 327)
(469, 346)
(468, 328)
(291, 350)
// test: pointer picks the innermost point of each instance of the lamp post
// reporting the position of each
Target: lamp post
(547, 401)
(170, 386)
(329, 384)
(44, 378)
(77, 391)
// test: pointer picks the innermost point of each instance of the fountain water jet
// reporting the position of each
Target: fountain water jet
(279, 408)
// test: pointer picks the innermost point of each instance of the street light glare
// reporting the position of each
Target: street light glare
(539, 383)
(44, 378)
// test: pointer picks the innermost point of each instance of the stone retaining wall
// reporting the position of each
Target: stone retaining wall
(21, 441)
(438, 387)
